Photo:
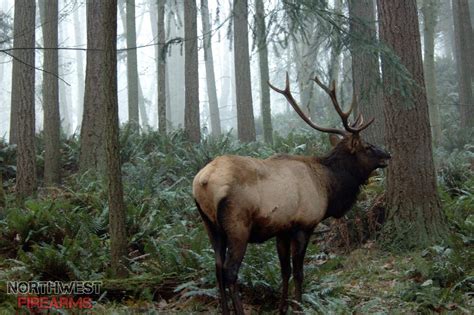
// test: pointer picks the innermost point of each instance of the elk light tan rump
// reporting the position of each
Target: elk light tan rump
(279, 191)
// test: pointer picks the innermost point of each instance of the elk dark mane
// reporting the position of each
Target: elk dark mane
(345, 180)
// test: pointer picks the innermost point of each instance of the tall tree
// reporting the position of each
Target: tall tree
(23, 97)
(132, 65)
(210, 77)
(22, 37)
(175, 64)
(52, 121)
(335, 60)
(65, 98)
(305, 49)
(136, 106)
(108, 89)
(365, 67)
(264, 72)
(464, 60)
(161, 67)
(153, 14)
(429, 11)
(225, 75)
(414, 215)
(92, 154)
(79, 63)
(233, 104)
(243, 87)
(141, 105)
(191, 76)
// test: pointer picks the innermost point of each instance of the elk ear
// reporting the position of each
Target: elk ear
(334, 139)
(354, 143)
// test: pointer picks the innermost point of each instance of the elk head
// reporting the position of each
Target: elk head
(346, 142)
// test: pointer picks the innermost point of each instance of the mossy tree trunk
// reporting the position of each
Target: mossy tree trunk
(191, 79)
(78, 41)
(23, 98)
(430, 18)
(65, 94)
(464, 60)
(117, 229)
(210, 76)
(265, 108)
(365, 68)
(52, 121)
(413, 205)
(243, 87)
(132, 66)
(161, 69)
(92, 154)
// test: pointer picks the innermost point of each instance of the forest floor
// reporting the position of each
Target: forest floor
(366, 280)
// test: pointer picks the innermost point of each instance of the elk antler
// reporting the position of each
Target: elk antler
(289, 97)
(358, 125)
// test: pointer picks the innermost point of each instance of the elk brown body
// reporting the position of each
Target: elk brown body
(246, 200)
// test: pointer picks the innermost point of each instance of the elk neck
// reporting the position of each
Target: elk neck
(345, 178)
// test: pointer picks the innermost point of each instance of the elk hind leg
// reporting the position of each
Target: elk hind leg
(234, 257)
(218, 241)
(237, 232)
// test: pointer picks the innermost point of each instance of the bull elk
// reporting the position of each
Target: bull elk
(246, 200)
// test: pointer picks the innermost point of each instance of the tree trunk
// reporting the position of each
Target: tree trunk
(52, 121)
(169, 117)
(79, 64)
(132, 68)
(210, 77)
(65, 100)
(335, 61)
(414, 211)
(233, 105)
(152, 13)
(430, 17)
(92, 155)
(365, 68)
(243, 87)
(108, 88)
(161, 68)
(445, 26)
(225, 89)
(191, 76)
(303, 60)
(464, 61)
(305, 51)
(141, 105)
(264, 72)
(175, 72)
(23, 98)
(21, 73)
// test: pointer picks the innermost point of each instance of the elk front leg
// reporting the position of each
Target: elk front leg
(283, 249)
(299, 244)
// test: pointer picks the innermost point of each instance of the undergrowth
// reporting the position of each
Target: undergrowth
(62, 235)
